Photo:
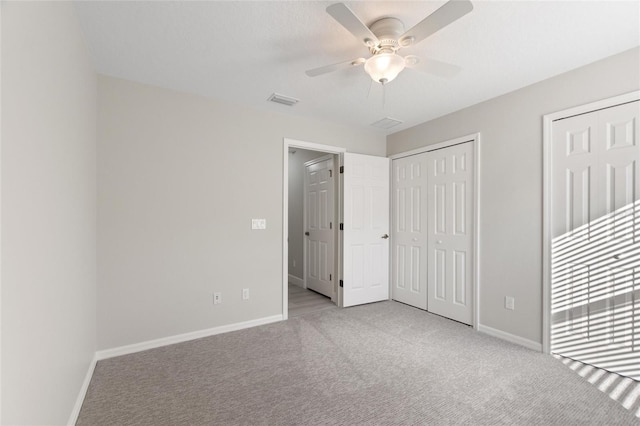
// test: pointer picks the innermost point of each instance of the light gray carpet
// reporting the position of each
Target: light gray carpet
(384, 363)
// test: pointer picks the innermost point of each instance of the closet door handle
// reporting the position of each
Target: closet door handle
(306, 233)
(385, 236)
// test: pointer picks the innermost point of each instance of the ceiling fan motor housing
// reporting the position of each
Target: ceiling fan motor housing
(387, 30)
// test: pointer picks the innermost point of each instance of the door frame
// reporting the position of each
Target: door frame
(305, 207)
(473, 138)
(547, 140)
(311, 146)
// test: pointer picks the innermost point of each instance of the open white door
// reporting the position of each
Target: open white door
(366, 229)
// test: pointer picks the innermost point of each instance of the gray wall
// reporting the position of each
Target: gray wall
(296, 208)
(48, 212)
(179, 179)
(511, 180)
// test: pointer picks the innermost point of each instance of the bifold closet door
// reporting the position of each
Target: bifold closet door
(450, 232)
(595, 225)
(409, 251)
(432, 257)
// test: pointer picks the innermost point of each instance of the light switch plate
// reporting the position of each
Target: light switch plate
(258, 223)
(510, 303)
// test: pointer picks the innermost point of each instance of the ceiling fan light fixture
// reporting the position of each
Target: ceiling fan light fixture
(384, 67)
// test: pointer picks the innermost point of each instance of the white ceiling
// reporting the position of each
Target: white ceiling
(243, 51)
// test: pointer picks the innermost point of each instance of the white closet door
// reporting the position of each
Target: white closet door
(409, 245)
(366, 229)
(595, 283)
(450, 232)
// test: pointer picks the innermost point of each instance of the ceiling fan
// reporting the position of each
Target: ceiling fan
(386, 36)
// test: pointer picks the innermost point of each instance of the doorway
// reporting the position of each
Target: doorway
(310, 165)
(361, 247)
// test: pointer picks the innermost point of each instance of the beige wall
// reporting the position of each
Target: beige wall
(511, 180)
(48, 212)
(179, 179)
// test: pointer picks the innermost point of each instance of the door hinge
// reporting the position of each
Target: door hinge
(342, 226)
(329, 277)
(341, 283)
(330, 225)
(330, 173)
(341, 169)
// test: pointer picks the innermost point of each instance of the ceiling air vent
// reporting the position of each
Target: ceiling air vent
(386, 123)
(284, 100)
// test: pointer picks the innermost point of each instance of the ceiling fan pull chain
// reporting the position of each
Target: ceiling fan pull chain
(384, 96)
(369, 91)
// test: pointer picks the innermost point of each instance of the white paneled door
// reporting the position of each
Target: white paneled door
(366, 229)
(595, 226)
(450, 232)
(433, 239)
(409, 245)
(319, 233)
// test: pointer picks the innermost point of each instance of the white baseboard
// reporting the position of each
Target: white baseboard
(530, 344)
(151, 344)
(73, 418)
(296, 281)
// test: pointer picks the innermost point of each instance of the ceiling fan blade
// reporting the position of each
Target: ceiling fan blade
(445, 15)
(334, 67)
(432, 66)
(345, 16)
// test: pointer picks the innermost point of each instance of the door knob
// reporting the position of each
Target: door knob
(306, 233)
(385, 236)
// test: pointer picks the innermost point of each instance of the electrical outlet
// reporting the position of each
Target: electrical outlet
(245, 294)
(217, 298)
(509, 303)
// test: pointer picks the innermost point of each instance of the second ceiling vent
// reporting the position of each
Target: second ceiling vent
(284, 100)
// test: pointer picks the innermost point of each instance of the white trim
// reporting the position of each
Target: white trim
(1, 363)
(547, 125)
(476, 229)
(179, 338)
(469, 138)
(296, 281)
(286, 144)
(547, 138)
(594, 106)
(73, 418)
(474, 138)
(530, 344)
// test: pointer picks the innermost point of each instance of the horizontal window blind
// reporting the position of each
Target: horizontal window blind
(595, 294)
